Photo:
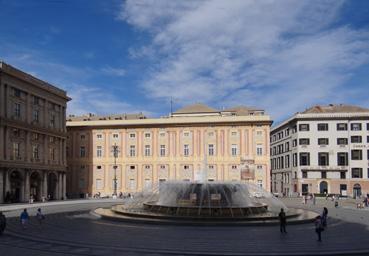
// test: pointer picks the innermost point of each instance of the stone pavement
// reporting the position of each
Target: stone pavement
(71, 230)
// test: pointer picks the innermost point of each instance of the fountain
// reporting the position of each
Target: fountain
(203, 201)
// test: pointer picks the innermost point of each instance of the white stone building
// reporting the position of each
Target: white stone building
(324, 149)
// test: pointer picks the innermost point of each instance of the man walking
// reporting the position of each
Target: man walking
(24, 217)
(282, 221)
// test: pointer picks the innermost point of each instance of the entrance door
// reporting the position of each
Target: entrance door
(15, 187)
(357, 191)
(35, 186)
(323, 187)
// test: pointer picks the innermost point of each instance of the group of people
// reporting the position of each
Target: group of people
(320, 222)
(24, 217)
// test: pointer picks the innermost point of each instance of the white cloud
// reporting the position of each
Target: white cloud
(113, 71)
(280, 55)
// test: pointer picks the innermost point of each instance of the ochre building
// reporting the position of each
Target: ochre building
(233, 145)
(32, 137)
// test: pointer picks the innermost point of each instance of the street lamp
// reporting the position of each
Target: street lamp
(115, 151)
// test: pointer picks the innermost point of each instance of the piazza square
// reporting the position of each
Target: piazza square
(184, 128)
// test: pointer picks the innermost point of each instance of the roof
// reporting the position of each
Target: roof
(92, 117)
(334, 108)
(10, 70)
(196, 108)
(242, 110)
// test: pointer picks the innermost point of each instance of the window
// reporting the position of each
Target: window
(82, 151)
(368, 154)
(367, 126)
(342, 159)
(342, 141)
(132, 184)
(356, 154)
(211, 134)
(304, 158)
(234, 133)
(132, 135)
(115, 135)
(294, 159)
(17, 110)
(147, 135)
(52, 153)
(16, 132)
(52, 120)
(234, 167)
(304, 141)
(36, 100)
(287, 161)
(356, 139)
(99, 136)
(99, 151)
(186, 134)
(341, 127)
(17, 92)
(83, 137)
(99, 167)
(367, 139)
(259, 150)
(304, 174)
(16, 150)
(147, 150)
(186, 167)
(260, 183)
(211, 149)
(323, 158)
(35, 115)
(323, 127)
(234, 150)
(356, 127)
(294, 143)
(99, 184)
(342, 175)
(304, 127)
(35, 136)
(186, 150)
(35, 152)
(162, 150)
(357, 172)
(323, 141)
(132, 150)
(324, 175)
(287, 146)
(162, 134)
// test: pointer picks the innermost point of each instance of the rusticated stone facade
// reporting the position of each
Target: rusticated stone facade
(32, 137)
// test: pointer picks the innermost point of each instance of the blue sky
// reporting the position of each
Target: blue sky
(133, 56)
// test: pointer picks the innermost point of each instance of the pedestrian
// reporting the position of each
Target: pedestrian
(40, 216)
(282, 221)
(24, 217)
(324, 216)
(319, 227)
(2, 223)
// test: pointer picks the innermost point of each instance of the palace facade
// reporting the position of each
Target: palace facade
(324, 149)
(232, 144)
(32, 137)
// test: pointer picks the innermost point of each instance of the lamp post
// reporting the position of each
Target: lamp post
(115, 151)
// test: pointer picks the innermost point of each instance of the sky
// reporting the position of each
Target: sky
(135, 56)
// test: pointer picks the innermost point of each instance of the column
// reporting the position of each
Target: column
(60, 186)
(61, 151)
(56, 189)
(26, 186)
(27, 148)
(44, 185)
(7, 181)
(7, 143)
(46, 152)
(64, 185)
(2, 100)
(1, 185)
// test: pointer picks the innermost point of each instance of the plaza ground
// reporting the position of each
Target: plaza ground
(69, 229)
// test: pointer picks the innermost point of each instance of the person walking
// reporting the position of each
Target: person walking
(319, 227)
(24, 217)
(2, 223)
(40, 217)
(324, 216)
(282, 221)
